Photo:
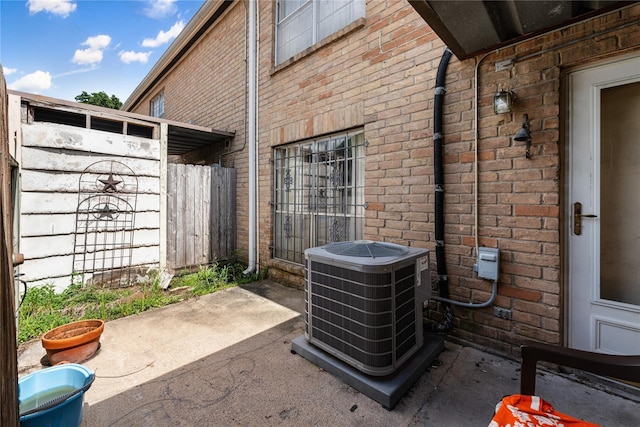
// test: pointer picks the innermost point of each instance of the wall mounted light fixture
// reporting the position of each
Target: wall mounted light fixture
(503, 101)
(524, 135)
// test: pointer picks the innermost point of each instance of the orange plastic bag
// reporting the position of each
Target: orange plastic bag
(531, 411)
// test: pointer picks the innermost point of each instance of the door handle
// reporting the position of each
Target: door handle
(577, 218)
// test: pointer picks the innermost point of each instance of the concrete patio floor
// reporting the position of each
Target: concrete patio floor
(224, 360)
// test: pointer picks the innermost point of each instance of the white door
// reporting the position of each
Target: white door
(604, 208)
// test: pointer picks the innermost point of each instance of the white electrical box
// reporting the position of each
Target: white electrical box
(488, 263)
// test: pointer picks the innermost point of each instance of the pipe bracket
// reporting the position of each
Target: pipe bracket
(440, 90)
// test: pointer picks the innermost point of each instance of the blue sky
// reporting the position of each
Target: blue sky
(60, 48)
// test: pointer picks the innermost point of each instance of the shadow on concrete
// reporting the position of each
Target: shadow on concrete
(255, 382)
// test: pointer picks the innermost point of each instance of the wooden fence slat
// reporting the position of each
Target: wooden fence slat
(189, 218)
(215, 210)
(70, 161)
(205, 208)
(223, 213)
(47, 135)
(205, 248)
(8, 341)
(181, 221)
(201, 215)
(171, 218)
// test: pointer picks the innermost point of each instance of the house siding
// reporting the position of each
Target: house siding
(379, 74)
(53, 159)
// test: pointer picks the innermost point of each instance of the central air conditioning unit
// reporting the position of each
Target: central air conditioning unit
(364, 301)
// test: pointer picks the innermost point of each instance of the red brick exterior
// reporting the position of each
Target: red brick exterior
(379, 74)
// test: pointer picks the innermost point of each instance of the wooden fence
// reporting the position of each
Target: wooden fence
(201, 210)
(8, 344)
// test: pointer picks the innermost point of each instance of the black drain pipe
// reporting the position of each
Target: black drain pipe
(443, 279)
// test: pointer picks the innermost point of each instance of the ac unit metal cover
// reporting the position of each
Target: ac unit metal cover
(363, 302)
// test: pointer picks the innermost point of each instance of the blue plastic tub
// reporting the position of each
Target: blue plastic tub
(53, 397)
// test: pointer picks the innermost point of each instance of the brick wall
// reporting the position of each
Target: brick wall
(374, 75)
(379, 74)
(520, 200)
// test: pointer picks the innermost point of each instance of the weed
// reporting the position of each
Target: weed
(44, 309)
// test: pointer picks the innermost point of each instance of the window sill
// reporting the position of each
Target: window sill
(288, 266)
(355, 25)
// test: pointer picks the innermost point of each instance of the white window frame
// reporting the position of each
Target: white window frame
(156, 108)
(309, 14)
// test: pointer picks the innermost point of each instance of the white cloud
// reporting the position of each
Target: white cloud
(160, 8)
(87, 56)
(130, 56)
(57, 7)
(164, 37)
(98, 42)
(93, 54)
(35, 82)
(8, 71)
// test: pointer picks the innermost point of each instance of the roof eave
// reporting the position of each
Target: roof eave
(500, 24)
(208, 13)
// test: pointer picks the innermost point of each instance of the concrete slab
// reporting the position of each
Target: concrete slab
(386, 390)
(225, 359)
(475, 381)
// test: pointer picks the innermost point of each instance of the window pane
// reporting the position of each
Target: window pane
(332, 16)
(620, 153)
(300, 24)
(287, 7)
(295, 34)
(157, 106)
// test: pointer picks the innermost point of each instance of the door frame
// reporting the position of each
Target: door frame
(566, 189)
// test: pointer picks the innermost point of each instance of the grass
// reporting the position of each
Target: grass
(44, 309)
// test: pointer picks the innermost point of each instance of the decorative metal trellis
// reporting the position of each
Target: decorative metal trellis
(105, 223)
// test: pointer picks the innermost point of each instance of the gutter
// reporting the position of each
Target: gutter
(253, 142)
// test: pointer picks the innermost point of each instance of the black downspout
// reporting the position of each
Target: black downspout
(443, 279)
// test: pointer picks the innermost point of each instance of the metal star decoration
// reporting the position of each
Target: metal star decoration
(110, 184)
(106, 212)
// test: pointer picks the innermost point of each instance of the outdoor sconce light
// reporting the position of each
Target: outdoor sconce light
(502, 101)
(524, 135)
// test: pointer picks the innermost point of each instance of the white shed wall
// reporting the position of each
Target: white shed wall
(53, 156)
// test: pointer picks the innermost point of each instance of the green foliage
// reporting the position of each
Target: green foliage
(40, 311)
(44, 309)
(215, 277)
(100, 99)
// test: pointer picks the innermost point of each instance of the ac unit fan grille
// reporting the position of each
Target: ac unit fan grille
(353, 312)
(405, 310)
(353, 316)
(366, 285)
(366, 248)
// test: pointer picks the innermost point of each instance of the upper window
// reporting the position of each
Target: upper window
(302, 23)
(157, 106)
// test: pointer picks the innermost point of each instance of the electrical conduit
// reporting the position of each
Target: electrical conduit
(438, 172)
(443, 279)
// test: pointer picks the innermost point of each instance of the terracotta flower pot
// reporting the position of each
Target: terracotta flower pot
(74, 342)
